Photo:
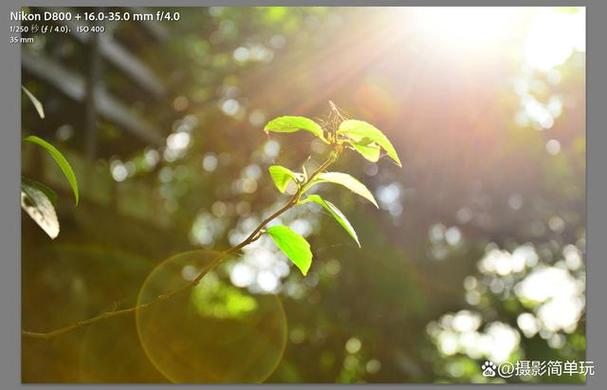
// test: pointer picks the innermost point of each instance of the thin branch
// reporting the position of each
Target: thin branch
(255, 234)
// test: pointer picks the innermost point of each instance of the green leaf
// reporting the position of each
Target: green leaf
(50, 194)
(368, 150)
(358, 130)
(335, 212)
(294, 246)
(347, 181)
(39, 207)
(64, 165)
(281, 177)
(37, 105)
(291, 124)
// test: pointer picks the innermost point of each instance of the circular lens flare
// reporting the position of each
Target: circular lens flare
(211, 333)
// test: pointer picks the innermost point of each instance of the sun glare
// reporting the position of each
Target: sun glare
(549, 34)
(553, 35)
(467, 27)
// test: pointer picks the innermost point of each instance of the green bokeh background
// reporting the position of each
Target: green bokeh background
(481, 171)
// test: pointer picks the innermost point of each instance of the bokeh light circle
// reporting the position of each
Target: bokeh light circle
(212, 332)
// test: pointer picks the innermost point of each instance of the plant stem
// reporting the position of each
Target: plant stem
(255, 234)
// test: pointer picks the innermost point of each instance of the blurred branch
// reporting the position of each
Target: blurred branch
(255, 234)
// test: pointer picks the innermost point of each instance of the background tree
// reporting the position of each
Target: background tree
(492, 138)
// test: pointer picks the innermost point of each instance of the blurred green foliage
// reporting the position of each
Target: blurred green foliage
(484, 170)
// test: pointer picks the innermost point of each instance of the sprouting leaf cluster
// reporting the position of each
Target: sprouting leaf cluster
(362, 137)
(356, 135)
(37, 199)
